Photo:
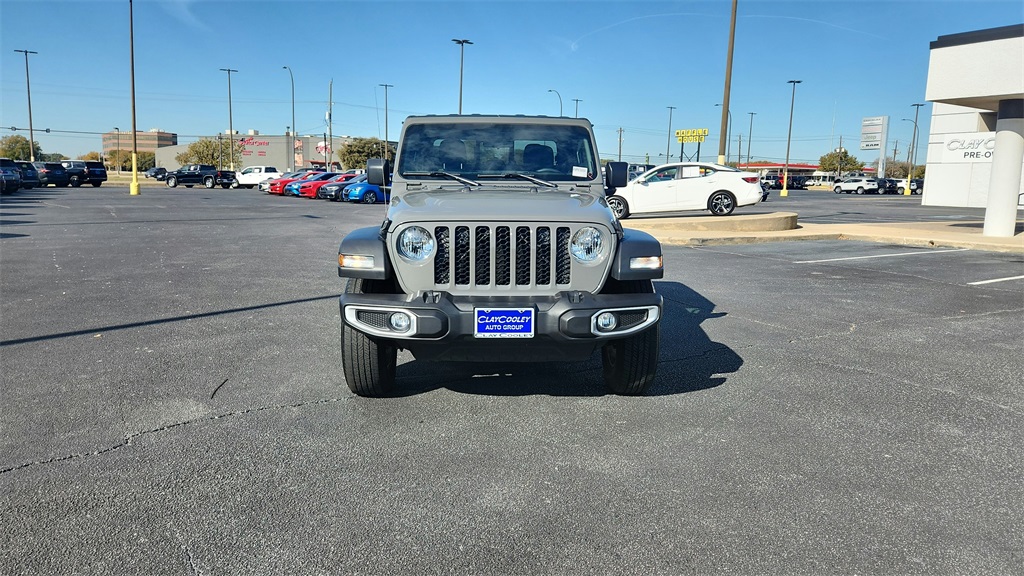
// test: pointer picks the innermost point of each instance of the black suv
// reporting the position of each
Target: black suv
(52, 173)
(85, 172)
(29, 175)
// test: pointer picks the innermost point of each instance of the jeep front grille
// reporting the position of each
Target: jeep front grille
(522, 256)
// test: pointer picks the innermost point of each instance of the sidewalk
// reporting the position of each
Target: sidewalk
(783, 227)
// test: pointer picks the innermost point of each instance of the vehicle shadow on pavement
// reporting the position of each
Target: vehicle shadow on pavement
(689, 361)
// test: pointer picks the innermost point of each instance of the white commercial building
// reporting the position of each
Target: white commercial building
(976, 141)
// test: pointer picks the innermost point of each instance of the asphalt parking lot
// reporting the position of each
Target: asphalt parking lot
(173, 403)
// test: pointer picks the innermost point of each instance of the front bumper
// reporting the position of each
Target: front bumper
(442, 326)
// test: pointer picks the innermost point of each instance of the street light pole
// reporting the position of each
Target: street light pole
(387, 147)
(133, 188)
(917, 108)
(577, 101)
(750, 136)
(231, 127)
(559, 102)
(291, 141)
(117, 150)
(462, 60)
(910, 158)
(668, 142)
(789, 137)
(28, 89)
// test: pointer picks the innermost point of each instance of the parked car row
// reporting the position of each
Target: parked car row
(869, 185)
(18, 174)
(334, 186)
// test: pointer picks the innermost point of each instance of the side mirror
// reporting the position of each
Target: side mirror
(615, 174)
(378, 172)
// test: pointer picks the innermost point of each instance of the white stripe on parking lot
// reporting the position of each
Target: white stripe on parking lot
(880, 256)
(980, 282)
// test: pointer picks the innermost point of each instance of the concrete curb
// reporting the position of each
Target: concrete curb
(783, 227)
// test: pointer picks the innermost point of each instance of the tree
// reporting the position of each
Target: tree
(840, 162)
(16, 147)
(92, 156)
(359, 150)
(210, 151)
(52, 157)
(899, 168)
(123, 159)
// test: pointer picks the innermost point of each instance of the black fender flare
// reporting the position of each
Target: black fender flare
(636, 244)
(365, 242)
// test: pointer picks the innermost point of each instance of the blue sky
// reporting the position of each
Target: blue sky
(626, 61)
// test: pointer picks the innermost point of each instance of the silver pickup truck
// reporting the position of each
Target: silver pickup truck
(498, 246)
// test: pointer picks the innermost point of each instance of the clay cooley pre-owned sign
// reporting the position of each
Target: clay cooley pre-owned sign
(968, 147)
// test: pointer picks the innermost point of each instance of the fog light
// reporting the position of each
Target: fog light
(607, 322)
(399, 321)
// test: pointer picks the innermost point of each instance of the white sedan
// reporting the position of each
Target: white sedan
(687, 186)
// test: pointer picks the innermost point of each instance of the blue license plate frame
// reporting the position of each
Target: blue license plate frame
(503, 322)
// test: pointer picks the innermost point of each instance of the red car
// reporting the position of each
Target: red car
(277, 185)
(309, 189)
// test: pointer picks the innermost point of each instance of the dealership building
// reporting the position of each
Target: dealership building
(976, 140)
(278, 151)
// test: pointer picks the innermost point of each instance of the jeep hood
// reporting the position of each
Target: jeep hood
(512, 204)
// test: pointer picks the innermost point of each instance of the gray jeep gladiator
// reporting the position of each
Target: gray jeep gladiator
(498, 246)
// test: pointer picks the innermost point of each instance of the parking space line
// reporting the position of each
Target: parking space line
(881, 256)
(980, 282)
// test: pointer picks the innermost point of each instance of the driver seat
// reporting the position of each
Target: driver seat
(538, 157)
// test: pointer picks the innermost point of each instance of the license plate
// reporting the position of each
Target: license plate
(504, 322)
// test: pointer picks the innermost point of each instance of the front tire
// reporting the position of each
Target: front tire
(618, 206)
(838, 190)
(171, 181)
(369, 197)
(369, 364)
(722, 203)
(630, 364)
(96, 184)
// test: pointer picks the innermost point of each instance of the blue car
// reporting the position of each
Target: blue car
(365, 192)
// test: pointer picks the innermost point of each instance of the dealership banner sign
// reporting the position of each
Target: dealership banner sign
(968, 147)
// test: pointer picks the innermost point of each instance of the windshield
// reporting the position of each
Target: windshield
(552, 152)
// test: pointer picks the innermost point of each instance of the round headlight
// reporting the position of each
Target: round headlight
(587, 245)
(415, 244)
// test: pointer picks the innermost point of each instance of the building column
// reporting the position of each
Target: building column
(1007, 159)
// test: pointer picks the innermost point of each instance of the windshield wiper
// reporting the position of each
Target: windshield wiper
(519, 176)
(448, 175)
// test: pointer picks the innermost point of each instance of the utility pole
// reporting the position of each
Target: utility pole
(231, 127)
(387, 146)
(668, 143)
(739, 155)
(577, 101)
(728, 86)
(750, 136)
(330, 122)
(620, 144)
(462, 62)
